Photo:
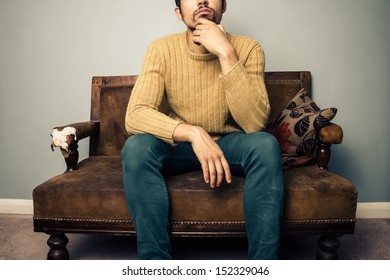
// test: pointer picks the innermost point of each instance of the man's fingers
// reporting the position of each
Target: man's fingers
(220, 173)
(196, 41)
(205, 170)
(226, 168)
(215, 171)
(212, 174)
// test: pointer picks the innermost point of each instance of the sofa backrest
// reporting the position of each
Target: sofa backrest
(110, 96)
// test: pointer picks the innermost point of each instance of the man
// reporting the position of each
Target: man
(218, 105)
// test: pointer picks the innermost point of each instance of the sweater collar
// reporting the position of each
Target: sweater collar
(196, 56)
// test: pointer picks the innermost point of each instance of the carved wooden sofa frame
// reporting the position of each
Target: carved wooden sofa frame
(89, 197)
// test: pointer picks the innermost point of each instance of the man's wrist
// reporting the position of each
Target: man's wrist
(183, 133)
(228, 59)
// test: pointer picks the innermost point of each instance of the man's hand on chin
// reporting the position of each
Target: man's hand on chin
(213, 37)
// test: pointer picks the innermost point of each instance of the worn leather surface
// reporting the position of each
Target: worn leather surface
(95, 191)
(113, 105)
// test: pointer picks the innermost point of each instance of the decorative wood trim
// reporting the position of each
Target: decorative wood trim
(279, 82)
(71, 220)
(192, 223)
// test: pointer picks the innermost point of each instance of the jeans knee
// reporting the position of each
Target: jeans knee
(271, 143)
(264, 142)
(138, 149)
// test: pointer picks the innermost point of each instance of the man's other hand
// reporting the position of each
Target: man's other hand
(214, 164)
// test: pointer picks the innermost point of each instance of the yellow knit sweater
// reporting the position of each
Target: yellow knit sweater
(176, 85)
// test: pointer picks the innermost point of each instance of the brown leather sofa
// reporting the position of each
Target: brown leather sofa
(89, 196)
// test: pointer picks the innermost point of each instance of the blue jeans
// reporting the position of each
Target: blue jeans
(256, 155)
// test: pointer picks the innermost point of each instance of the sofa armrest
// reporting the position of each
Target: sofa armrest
(331, 134)
(66, 138)
(328, 135)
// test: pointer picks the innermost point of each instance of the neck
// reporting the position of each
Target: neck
(195, 48)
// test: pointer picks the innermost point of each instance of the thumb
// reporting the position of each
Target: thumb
(220, 26)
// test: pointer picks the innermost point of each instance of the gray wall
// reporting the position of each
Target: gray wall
(50, 49)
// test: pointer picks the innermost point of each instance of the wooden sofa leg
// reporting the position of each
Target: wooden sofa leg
(57, 243)
(328, 245)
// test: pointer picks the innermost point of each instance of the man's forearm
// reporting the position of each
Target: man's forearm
(228, 59)
(246, 92)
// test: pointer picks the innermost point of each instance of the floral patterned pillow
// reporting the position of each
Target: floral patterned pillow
(296, 128)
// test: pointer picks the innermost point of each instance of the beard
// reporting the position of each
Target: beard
(194, 17)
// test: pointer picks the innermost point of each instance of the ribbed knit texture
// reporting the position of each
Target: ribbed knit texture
(195, 91)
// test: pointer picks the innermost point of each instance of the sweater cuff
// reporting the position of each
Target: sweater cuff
(171, 141)
(169, 129)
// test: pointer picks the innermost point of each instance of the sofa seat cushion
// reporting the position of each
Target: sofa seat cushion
(95, 193)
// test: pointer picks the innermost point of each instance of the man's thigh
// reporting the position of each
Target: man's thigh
(169, 159)
(179, 159)
(238, 146)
